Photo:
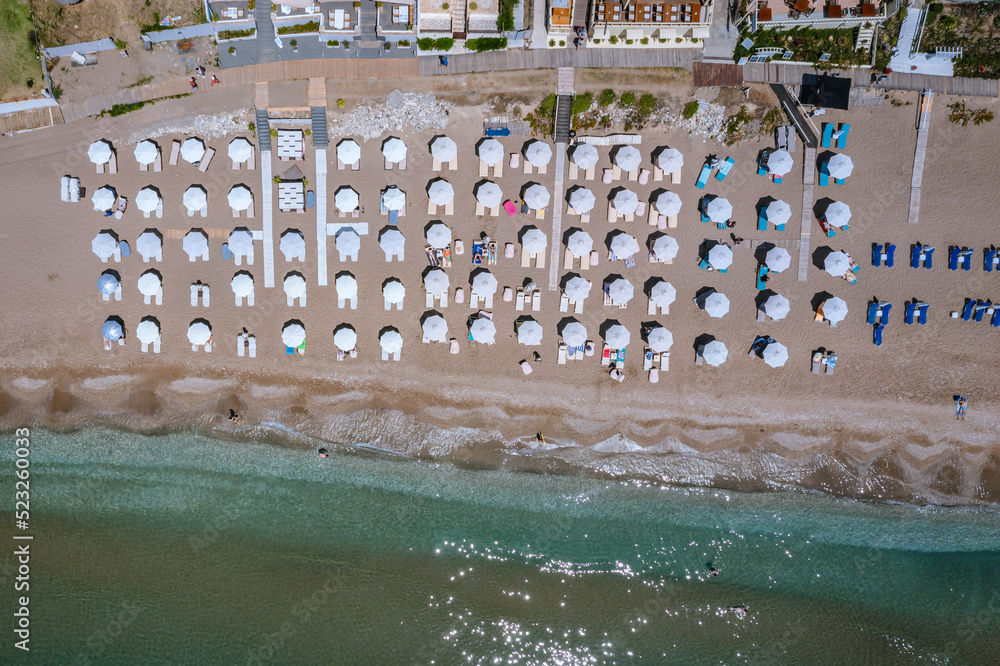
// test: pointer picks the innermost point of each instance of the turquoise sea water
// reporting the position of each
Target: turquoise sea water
(185, 549)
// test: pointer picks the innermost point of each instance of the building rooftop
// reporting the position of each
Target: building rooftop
(616, 11)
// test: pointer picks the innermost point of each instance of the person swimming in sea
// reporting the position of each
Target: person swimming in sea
(234, 418)
(322, 453)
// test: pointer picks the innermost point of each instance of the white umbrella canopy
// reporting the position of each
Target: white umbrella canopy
(719, 210)
(580, 243)
(777, 307)
(394, 150)
(435, 328)
(779, 162)
(240, 197)
(584, 156)
(778, 212)
(490, 151)
(668, 203)
(536, 196)
(111, 330)
(242, 284)
(347, 286)
(577, 289)
(391, 341)
(148, 244)
(436, 282)
(393, 198)
(625, 201)
(293, 334)
(438, 235)
(837, 214)
(145, 152)
(107, 283)
(670, 160)
(715, 353)
(775, 354)
(534, 241)
(715, 304)
(660, 339)
(348, 241)
(199, 332)
(720, 256)
(484, 284)
(292, 244)
(582, 200)
(538, 153)
(393, 291)
(777, 259)
(665, 248)
(348, 151)
(193, 149)
(240, 149)
(624, 245)
(240, 242)
(663, 294)
(529, 333)
(443, 149)
(574, 334)
(621, 291)
(147, 200)
(294, 285)
(150, 284)
(104, 245)
(346, 200)
(488, 194)
(391, 241)
(195, 197)
(100, 151)
(104, 198)
(345, 338)
(628, 158)
(837, 263)
(483, 330)
(441, 192)
(617, 336)
(147, 331)
(834, 309)
(840, 166)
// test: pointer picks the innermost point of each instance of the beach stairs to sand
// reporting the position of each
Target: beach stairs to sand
(458, 19)
(319, 136)
(367, 19)
(564, 118)
(263, 129)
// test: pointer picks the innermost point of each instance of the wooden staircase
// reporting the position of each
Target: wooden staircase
(458, 19)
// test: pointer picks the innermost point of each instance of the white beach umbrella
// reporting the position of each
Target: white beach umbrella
(293, 335)
(577, 289)
(148, 245)
(775, 354)
(294, 285)
(488, 194)
(840, 166)
(193, 149)
(617, 336)
(240, 149)
(104, 245)
(584, 156)
(435, 328)
(347, 286)
(394, 150)
(779, 162)
(441, 192)
(715, 353)
(574, 334)
(670, 160)
(346, 200)
(240, 197)
(490, 151)
(778, 259)
(150, 284)
(720, 256)
(719, 210)
(443, 149)
(534, 241)
(195, 197)
(147, 331)
(292, 244)
(483, 330)
(484, 284)
(345, 338)
(837, 263)
(663, 294)
(104, 198)
(536, 196)
(145, 152)
(240, 242)
(348, 151)
(199, 332)
(582, 200)
(624, 245)
(111, 330)
(834, 309)
(668, 203)
(391, 341)
(393, 291)
(628, 158)
(778, 212)
(393, 198)
(665, 248)
(107, 283)
(348, 241)
(242, 284)
(776, 307)
(438, 235)
(660, 339)
(391, 241)
(621, 291)
(715, 304)
(837, 214)
(580, 243)
(538, 153)
(625, 201)
(436, 282)
(529, 332)
(100, 151)
(147, 200)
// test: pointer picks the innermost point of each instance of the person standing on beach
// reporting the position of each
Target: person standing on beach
(963, 403)
(194, 84)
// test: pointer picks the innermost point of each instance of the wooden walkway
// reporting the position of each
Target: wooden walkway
(267, 215)
(321, 200)
(714, 74)
(558, 201)
(919, 154)
(31, 119)
(808, 179)
(467, 63)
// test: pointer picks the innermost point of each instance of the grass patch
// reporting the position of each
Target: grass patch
(505, 18)
(581, 103)
(235, 34)
(483, 44)
(807, 45)
(18, 57)
(141, 81)
(962, 115)
(607, 97)
(300, 28)
(690, 109)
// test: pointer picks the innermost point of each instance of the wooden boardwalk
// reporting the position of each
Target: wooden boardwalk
(713, 74)
(919, 154)
(558, 201)
(467, 63)
(808, 179)
(31, 119)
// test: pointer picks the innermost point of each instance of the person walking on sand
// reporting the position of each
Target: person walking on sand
(963, 403)
(194, 84)
(234, 418)
(215, 80)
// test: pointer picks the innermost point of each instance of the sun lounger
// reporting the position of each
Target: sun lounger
(877, 256)
(536, 301)
(915, 256)
(564, 303)
(206, 160)
(953, 258)
(970, 305)
(706, 171)
(988, 261)
(761, 222)
(884, 315)
(928, 255)
(519, 300)
(995, 321)
(175, 151)
(724, 169)
(911, 308)
(872, 313)
(827, 135)
(657, 174)
(842, 139)
(889, 255)
(561, 358)
(877, 336)
(698, 358)
(831, 362)
(922, 309)
(966, 259)
(606, 355)
(824, 176)
(761, 272)
(817, 362)
(981, 309)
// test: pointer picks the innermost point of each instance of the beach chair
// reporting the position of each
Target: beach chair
(252, 164)
(842, 139)
(699, 360)
(970, 305)
(928, 255)
(987, 261)
(564, 303)
(536, 301)
(817, 362)
(922, 309)
(561, 358)
(981, 309)
(761, 272)
(873, 313)
(761, 222)
(777, 179)
(966, 259)
(889, 255)
(911, 309)
(519, 300)
(724, 169)
(877, 256)
(953, 258)
(675, 177)
(827, 135)
(995, 321)
(884, 315)
(175, 151)
(824, 177)
(877, 335)
(706, 171)
(915, 256)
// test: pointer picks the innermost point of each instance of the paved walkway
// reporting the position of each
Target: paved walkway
(557, 212)
(321, 214)
(267, 214)
(919, 154)
(808, 181)
(539, 33)
(723, 34)
(908, 60)
(552, 58)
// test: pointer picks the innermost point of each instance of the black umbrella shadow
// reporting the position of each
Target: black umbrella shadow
(820, 254)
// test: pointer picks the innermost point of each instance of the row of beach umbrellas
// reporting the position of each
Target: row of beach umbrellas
(149, 198)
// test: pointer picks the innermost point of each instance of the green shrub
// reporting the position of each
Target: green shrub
(234, 34)
(562, 42)
(552, 42)
(232, 50)
(505, 17)
(404, 42)
(644, 40)
(948, 22)
(119, 43)
(473, 6)
(936, 7)
(678, 40)
(29, 83)
(118, 109)
(581, 103)
(612, 39)
(57, 91)
(547, 109)
(597, 41)
(444, 43)
(333, 42)
(294, 43)
(630, 42)
(694, 40)
(298, 29)
(483, 44)
(341, 103)
(690, 109)
(252, 127)
(628, 99)
(647, 103)
(425, 43)
(607, 97)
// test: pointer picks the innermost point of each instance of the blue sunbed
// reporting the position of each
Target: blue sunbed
(969, 307)
(981, 309)
(996, 317)
(855, 268)
(967, 259)
(840, 181)
(289, 350)
(703, 177)
(779, 227)
(393, 217)
(877, 338)
(872, 312)
(890, 251)
(777, 180)
(915, 256)
(827, 135)
(226, 254)
(123, 246)
(824, 177)
(724, 168)
(704, 264)
(885, 313)
(877, 256)
(928, 256)
(910, 309)
(761, 272)
(761, 171)
(705, 218)
(842, 140)
(923, 314)
(953, 258)
(761, 222)
(988, 262)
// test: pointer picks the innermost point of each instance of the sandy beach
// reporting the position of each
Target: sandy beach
(882, 426)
